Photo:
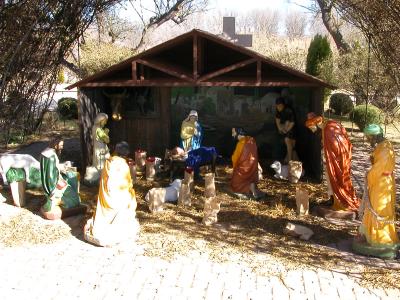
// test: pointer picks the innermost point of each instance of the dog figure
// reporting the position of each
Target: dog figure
(171, 192)
(18, 161)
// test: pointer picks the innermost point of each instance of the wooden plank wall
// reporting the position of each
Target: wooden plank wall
(317, 106)
(150, 134)
(90, 102)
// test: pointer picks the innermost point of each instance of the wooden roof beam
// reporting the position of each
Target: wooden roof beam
(258, 71)
(166, 68)
(195, 56)
(227, 69)
(177, 83)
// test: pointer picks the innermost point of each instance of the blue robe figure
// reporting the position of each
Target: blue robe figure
(191, 132)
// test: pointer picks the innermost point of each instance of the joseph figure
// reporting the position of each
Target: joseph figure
(60, 185)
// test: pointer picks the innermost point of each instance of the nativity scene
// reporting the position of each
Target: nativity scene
(229, 126)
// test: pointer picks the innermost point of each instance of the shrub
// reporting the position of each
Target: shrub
(67, 108)
(341, 103)
(374, 115)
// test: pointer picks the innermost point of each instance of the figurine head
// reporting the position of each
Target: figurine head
(237, 133)
(57, 143)
(280, 104)
(101, 119)
(374, 134)
(193, 116)
(313, 122)
(122, 149)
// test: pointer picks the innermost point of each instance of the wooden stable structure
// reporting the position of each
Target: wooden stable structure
(194, 59)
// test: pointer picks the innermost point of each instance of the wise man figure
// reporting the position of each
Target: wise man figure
(191, 132)
(377, 233)
(60, 185)
(337, 150)
(245, 166)
(114, 221)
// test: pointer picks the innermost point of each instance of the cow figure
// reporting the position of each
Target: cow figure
(116, 103)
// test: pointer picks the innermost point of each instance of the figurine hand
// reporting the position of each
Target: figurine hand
(106, 130)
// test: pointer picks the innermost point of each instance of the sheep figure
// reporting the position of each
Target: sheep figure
(293, 172)
(171, 192)
(281, 171)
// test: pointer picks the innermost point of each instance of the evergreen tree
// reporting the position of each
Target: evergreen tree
(319, 57)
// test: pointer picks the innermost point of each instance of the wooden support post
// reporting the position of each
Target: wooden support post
(134, 70)
(258, 71)
(141, 72)
(200, 56)
(195, 57)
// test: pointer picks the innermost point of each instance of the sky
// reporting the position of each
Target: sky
(236, 5)
(245, 5)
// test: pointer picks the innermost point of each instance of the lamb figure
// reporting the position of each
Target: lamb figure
(171, 192)
(293, 172)
(281, 171)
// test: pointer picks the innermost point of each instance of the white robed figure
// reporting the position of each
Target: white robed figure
(100, 141)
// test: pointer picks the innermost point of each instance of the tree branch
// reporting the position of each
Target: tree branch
(333, 29)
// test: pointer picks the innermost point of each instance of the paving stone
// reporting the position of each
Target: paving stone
(326, 281)
(311, 284)
(363, 293)
(344, 286)
(393, 293)
(214, 290)
(260, 294)
(234, 294)
(279, 290)
(295, 284)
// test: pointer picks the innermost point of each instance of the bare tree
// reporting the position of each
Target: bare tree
(265, 21)
(34, 38)
(295, 24)
(333, 22)
(163, 11)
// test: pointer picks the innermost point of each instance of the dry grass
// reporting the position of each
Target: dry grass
(26, 228)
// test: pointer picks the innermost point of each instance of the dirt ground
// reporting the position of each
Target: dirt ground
(248, 231)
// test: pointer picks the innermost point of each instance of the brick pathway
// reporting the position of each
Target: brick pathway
(74, 269)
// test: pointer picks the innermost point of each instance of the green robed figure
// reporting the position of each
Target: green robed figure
(60, 186)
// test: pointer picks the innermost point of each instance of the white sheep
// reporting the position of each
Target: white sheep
(171, 192)
(292, 172)
(281, 171)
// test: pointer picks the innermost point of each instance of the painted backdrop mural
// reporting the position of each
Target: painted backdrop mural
(221, 108)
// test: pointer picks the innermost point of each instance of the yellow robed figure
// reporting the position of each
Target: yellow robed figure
(378, 206)
(114, 221)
